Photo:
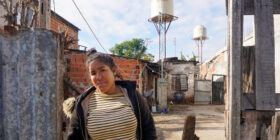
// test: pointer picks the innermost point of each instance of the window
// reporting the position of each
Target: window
(42, 8)
(179, 82)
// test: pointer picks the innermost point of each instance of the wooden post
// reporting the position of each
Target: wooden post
(60, 85)
(140, 79)
(265, 67)
(1, 94)
(276, 126)
(189, 129)
(146, 78)
(235, 18)
(44, 14)
(249, 125)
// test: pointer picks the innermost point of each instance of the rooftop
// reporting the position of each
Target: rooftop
(64, 20)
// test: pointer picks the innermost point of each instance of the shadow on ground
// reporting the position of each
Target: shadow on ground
(209, 122)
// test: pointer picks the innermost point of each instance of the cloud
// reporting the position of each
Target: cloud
(114, 21)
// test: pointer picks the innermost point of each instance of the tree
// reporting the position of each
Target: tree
(148, 57)
(183, 57)
(193, 57)
(135, 48)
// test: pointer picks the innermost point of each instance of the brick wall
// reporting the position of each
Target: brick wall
(58, 25)
(78, 76)
(128, 68)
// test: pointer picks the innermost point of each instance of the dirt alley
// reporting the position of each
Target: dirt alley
(209, 122)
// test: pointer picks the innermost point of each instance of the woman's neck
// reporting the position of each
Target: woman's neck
(114, 89)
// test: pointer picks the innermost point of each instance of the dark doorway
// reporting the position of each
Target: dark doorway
(218, 89)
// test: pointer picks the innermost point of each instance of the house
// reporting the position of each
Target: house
(216, 67)
(181, 76)
(43, 16)
(59, 24)
(214, 75)
(140, 71)
(46, 19)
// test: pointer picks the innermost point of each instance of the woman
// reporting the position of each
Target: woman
(110, 109)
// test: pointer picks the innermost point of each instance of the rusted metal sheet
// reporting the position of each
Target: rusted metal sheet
(28, 87)
(202, 92)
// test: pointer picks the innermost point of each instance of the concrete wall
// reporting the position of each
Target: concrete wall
(181, 67)
(28, 86)
(216, 65)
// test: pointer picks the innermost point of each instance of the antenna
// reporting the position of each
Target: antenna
(174, 41)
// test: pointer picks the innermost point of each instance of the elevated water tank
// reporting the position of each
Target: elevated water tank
(165, 7)
(200, 32)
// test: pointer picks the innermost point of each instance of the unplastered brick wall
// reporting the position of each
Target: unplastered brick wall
(58, 26)
(77, 73)
(128, 68)
(78, 76)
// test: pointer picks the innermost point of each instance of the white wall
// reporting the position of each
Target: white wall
(277, 51)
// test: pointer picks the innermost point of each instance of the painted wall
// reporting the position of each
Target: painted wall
(28, 86)
(181, 67)
(216, 65)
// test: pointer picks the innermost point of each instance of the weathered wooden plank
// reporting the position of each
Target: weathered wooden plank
(248, 101)
(1, 94)
(248, 125)
(257, 125)
(60, 86)
(249, 7)
(235, 20)
(263, 117)
(264, 122)
(248, 69)
(276, 126)
(264, 58)
(189, 129)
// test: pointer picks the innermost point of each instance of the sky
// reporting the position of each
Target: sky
(114, 21)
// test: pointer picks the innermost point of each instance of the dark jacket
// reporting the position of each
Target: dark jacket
(145, 123)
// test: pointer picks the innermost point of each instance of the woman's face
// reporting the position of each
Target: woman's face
(102, 77)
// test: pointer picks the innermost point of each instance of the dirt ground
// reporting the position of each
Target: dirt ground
(209, 122)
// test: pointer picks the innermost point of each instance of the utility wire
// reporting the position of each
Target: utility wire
(89, 26)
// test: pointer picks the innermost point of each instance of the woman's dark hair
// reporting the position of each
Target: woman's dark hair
(104, 58)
